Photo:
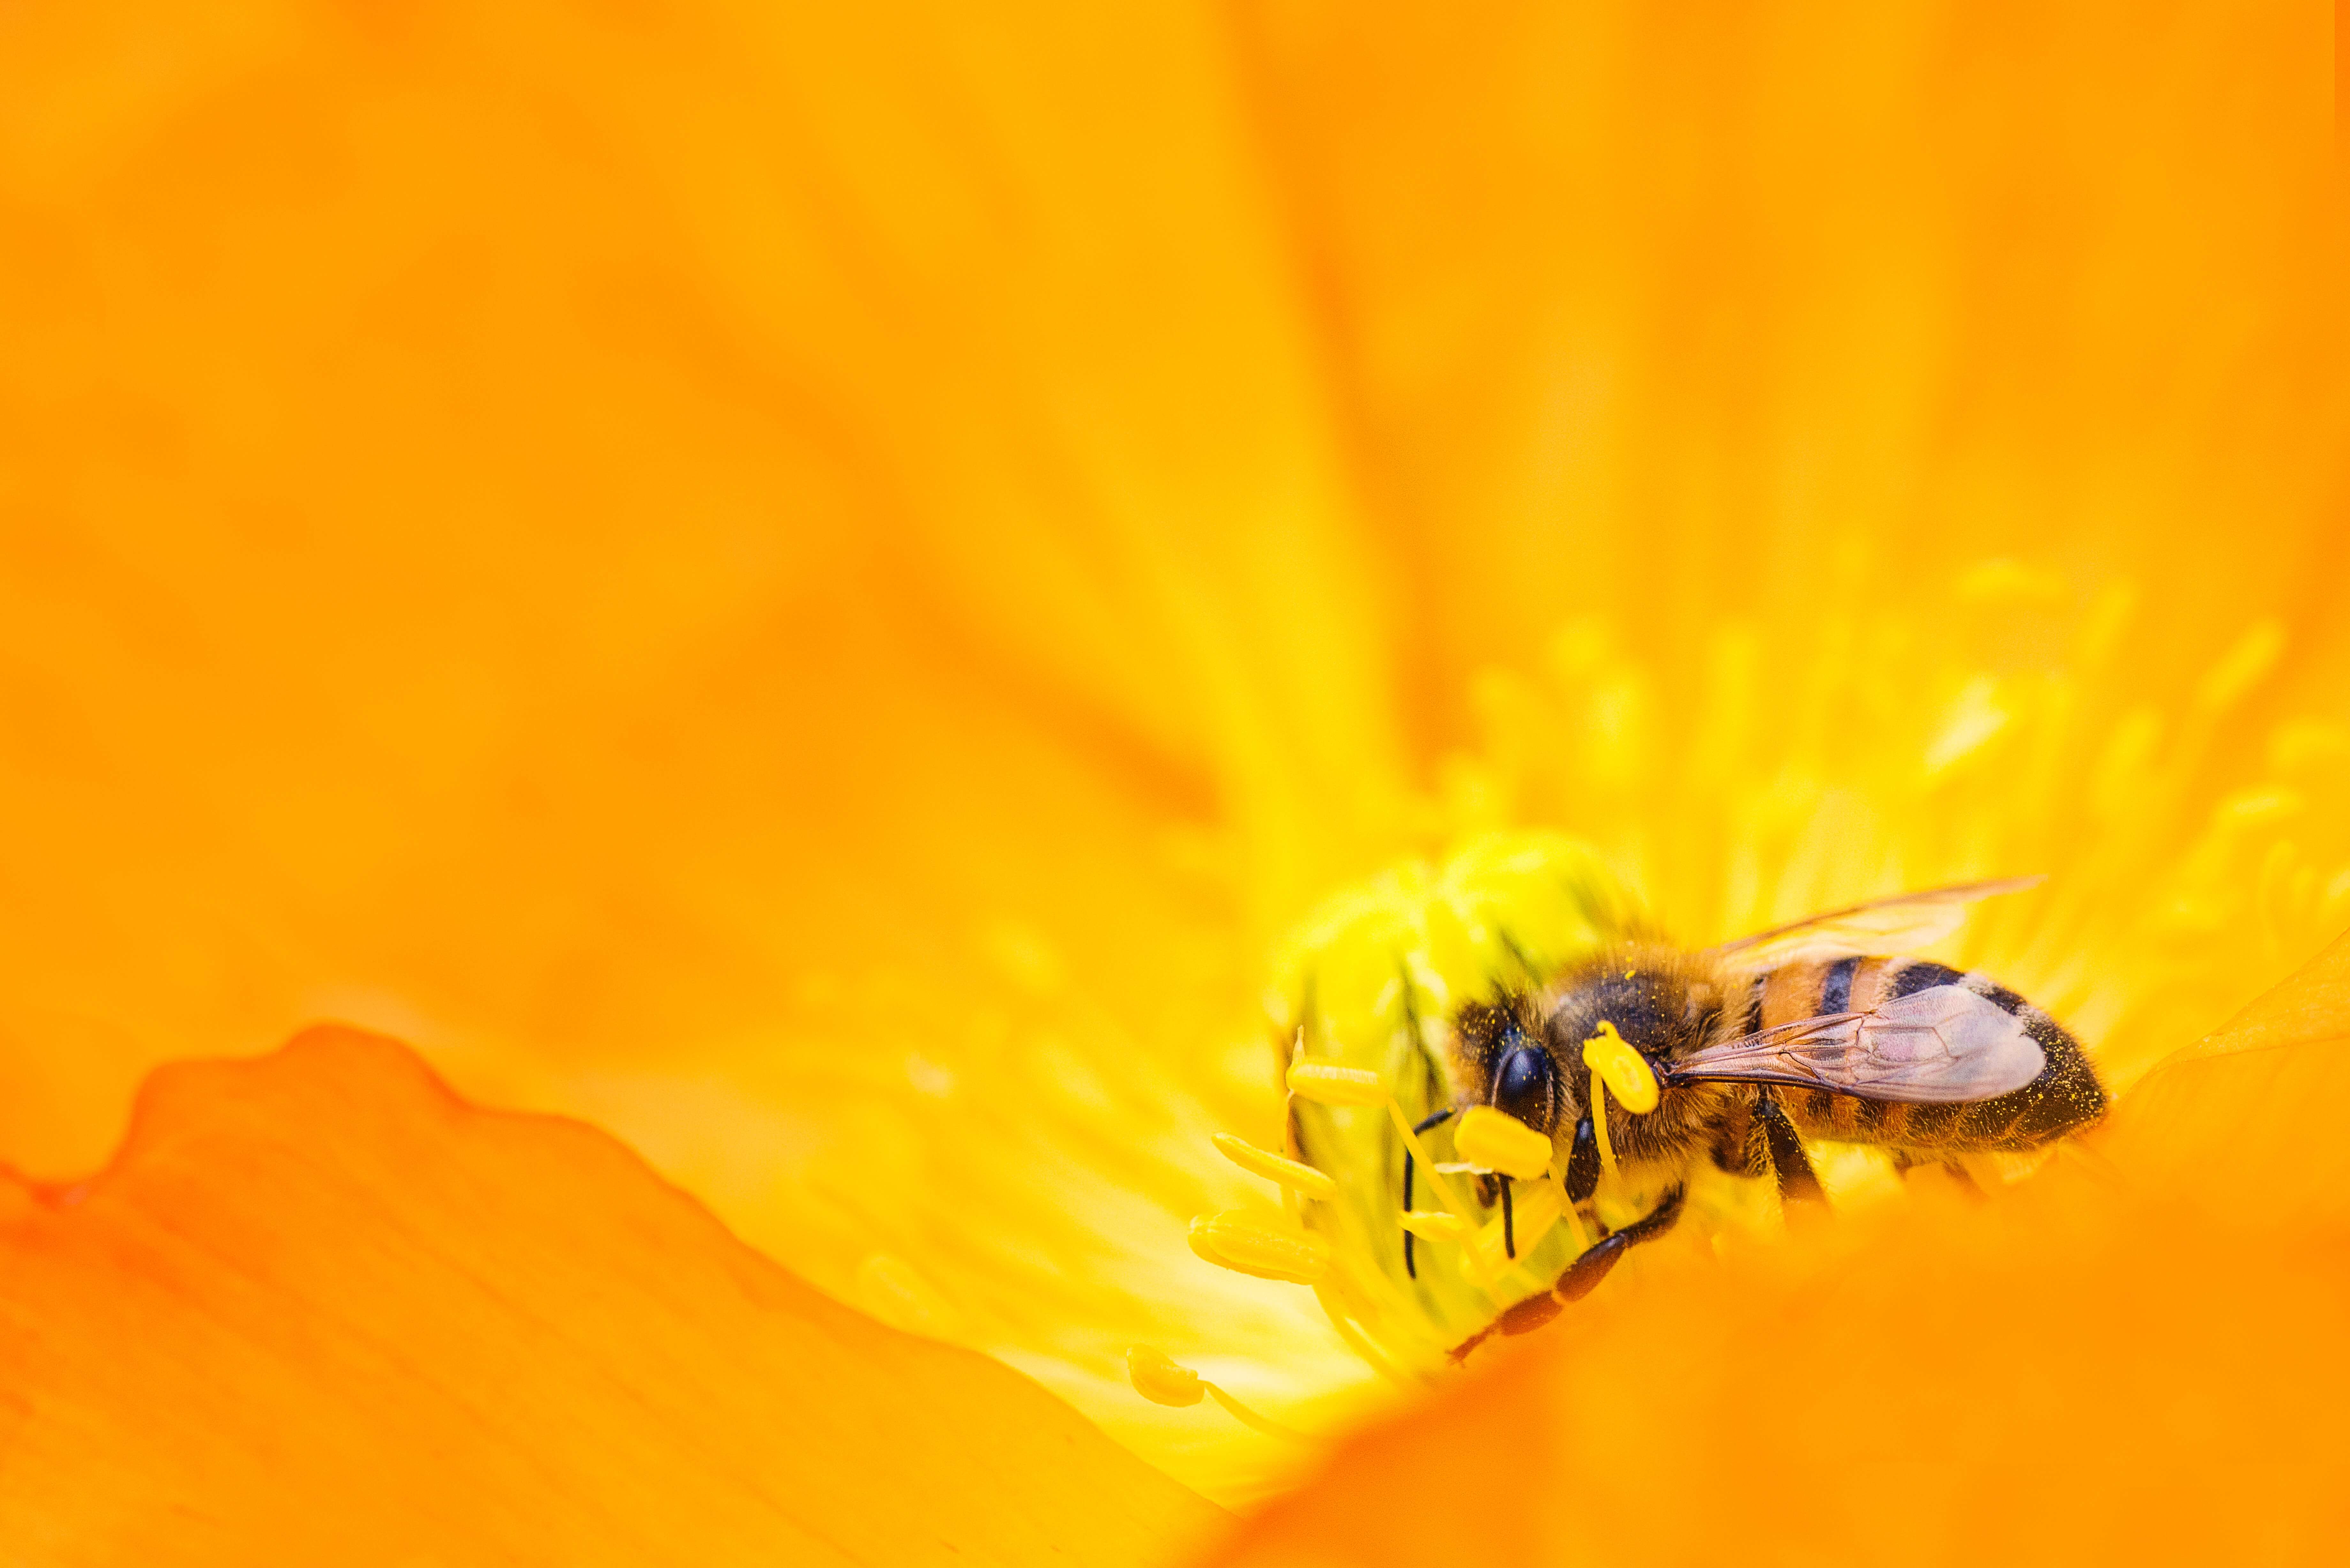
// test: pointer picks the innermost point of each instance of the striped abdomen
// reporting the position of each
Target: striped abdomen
(2067, 1094)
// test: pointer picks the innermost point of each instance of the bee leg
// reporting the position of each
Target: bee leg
(1583, 1274)
(1410, 1269)
(1904, 1162)
(1735, 1148)
(1581, 1278)
(1509, 1222)
(1582, 1164)
(1797, 1184)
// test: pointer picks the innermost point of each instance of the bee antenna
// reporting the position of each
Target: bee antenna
(1411, 1269)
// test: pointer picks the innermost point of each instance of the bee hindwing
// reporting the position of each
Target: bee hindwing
(1900, 924)
(1942, 1045)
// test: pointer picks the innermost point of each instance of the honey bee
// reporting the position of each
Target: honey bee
(1808, 1030)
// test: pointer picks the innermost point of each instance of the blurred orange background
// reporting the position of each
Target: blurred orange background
(709, 564)
(557, 529)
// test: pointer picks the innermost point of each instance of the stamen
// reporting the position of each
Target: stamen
(1345, 1322)
(1435, 1225)
(1599, 1123)
(1327, 1083)
(1496, 1140)
(1627, 1071)
(1247, 1244)
(1248, 1417)
(1341, 1287)
(1298, 1176)
(1536, 1209)
(1437, 1179)
(1437, 1174)
(1162, 1380)
(1573, 1220)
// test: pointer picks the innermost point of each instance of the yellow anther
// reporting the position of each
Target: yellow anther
(1436, 1225)
(1160, 1379)
(1248, 1244)
(1493, 1139)
(1298, 1176)
(1625, 1070)
(1328, 1084)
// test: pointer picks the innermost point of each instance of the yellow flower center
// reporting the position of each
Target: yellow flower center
(2187, 864)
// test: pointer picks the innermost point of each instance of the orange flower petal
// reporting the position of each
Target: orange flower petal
(2085, 1370)
(321, 1310)
(2252, 1119)
(779, 580)
(1708, 321)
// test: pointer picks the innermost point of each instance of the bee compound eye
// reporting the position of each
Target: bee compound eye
(1523, 1086)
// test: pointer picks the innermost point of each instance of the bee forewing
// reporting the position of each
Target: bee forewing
(1900, 924)
(1942, 1045)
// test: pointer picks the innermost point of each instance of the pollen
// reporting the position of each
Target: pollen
(1259, 1245)
(1493, 1139)
(1161, 1379)
(1300, 1179)
(1327, 1083)
(1625, 1070)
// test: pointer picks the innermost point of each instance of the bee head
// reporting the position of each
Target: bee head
(1514, 1068)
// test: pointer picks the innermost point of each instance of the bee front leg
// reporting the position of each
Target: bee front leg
(1582, 1276)
(1797, 1183)
(1583, 1163)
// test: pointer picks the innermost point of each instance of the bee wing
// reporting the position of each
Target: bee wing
(1900, 924)
(1942, 1045)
